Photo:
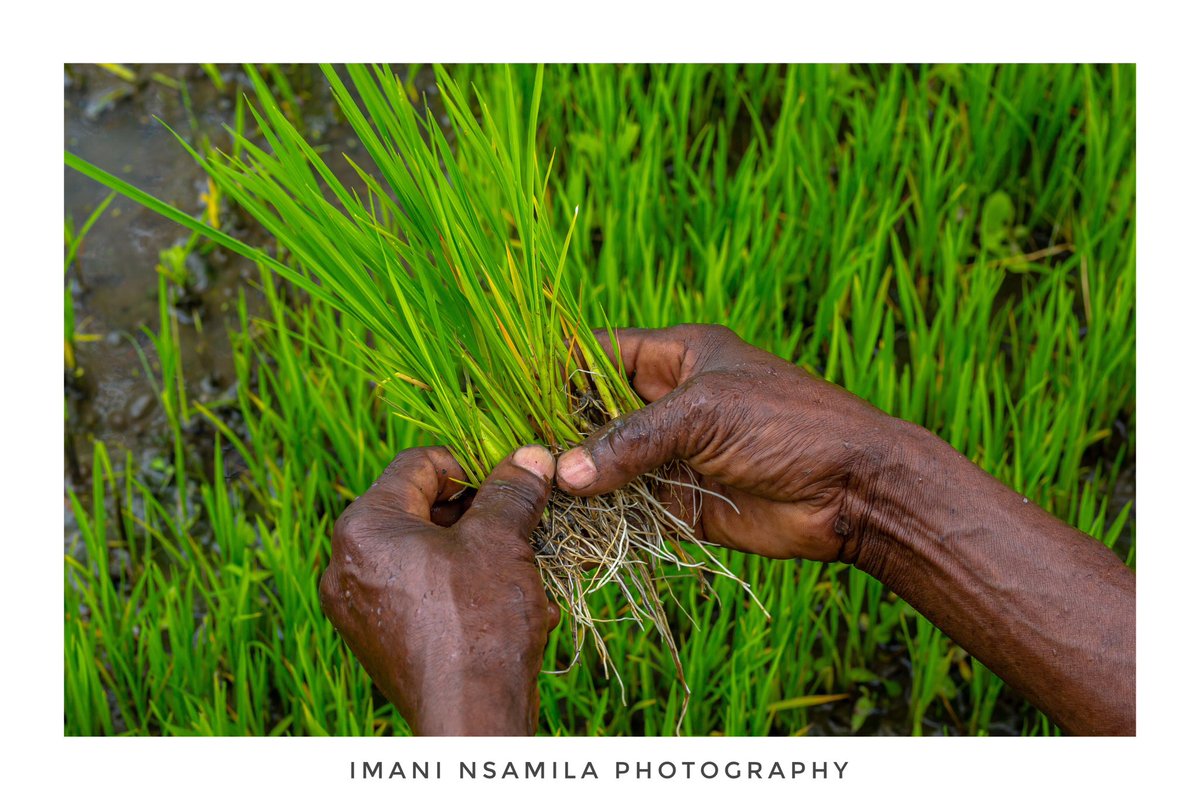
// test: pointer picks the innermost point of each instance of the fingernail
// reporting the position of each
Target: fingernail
(536, 459)
(576, 468)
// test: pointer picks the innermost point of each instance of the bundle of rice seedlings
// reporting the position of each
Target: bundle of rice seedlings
(450, 257)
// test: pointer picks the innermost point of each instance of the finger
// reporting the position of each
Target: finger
(447, 513)
(416, 480)
(510, 502)
(652, 360)
(633, 445)
(678, 490)
(722, 515)
(658, 360)
(713, 510)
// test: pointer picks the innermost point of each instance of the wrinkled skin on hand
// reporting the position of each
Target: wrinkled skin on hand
(437, 595)
(818, 473)
(783, 446)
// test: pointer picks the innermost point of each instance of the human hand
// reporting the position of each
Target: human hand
(818, 473)
(792, 452)
(437, 595)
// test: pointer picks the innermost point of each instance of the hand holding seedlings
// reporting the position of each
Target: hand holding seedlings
(818, 473)
(437, 593)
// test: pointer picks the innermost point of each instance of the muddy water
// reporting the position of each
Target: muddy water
(114, 281)
(112, 123)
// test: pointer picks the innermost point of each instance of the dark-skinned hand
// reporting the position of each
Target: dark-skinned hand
(437, 594)
(781, 445)
(818, 473)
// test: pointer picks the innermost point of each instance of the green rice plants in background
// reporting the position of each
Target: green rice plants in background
(852, 219)
(477, 334)
(462, 295)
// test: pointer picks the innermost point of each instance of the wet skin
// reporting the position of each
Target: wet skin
(437, 593)
(815, 473)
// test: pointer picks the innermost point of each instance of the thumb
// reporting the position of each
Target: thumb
(633, 445)
(513, 497)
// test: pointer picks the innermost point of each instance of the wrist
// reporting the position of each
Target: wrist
(893, 496)
(462, 709)
(917, 509)
(480, 689)
(1046, 608)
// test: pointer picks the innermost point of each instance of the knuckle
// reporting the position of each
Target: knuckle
(629, 440)
(718, 344)
(705, 396)
(528, 595)
(329, 595)
(704, 345)
(724, 332)
(326, 590)
(412, 460)
(707, 406)
(698, 333)
(512, 500)
(401, 461)
(352, 528)
(347, 527)
(520, 498)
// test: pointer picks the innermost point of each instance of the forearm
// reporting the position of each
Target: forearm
(1047, 608)
(475, 714)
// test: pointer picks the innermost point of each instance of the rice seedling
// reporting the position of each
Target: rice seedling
(73, 240)
(478, 335)
(838, 216)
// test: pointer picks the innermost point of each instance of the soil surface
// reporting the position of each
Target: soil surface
(122, 125)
